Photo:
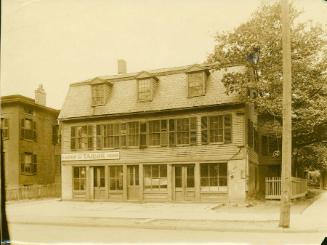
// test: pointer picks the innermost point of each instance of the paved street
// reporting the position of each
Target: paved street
(53, 220)
(40, 234)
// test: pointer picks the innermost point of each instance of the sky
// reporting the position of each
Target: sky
(59, 42)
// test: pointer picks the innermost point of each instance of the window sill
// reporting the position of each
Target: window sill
(155, 191)
(27, 174)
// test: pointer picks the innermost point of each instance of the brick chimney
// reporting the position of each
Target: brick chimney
(40, 95)
(122, 69)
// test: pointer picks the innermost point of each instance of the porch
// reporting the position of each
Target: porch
(273, 187)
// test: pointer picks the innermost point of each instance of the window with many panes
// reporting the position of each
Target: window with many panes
(196, 83)
(99, 177)
(154, 132)
(79, 178)
(98, 94)
(145, 89)
(5, 128)
(116, 178)
(216, 129)
(270, 144)
(182, 131)
(82, 137)
(133, 133)
(108, 136)
(28, 163)
(28, 129)
(213, 176)
(155, 177)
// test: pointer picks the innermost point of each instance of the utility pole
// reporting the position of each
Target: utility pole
(285, 206)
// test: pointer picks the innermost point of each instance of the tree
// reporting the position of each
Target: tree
(261, 36)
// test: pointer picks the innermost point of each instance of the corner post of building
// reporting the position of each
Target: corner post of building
(89, 178)
(141, 182)
(170, 181)
(124, 182)
(197, 181)
(107, 183)
(91, 182)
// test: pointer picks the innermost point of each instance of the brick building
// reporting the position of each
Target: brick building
(31, 149)
(162, 135)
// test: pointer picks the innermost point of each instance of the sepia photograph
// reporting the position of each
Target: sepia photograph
(163, 122)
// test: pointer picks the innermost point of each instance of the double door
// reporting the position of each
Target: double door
(184, 185)
(99, 182)
(133, 185)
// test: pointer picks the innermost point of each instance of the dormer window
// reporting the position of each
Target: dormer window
(100, 92)
(145, 86)
(145, 90)
(196, 80)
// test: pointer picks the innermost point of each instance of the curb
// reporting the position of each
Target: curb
(270, 226)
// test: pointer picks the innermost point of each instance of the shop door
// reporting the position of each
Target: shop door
(133, 182)
(184, 183)
(99, 183)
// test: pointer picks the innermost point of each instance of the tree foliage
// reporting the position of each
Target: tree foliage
(262, 35)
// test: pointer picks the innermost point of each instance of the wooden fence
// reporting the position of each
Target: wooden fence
(32, 192)
(273, 187)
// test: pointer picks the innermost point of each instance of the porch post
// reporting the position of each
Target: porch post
(91, 183)
(124, 182)
(197, 181)
(141, 181)
(169, 181)
(88, 182)
(106, 178)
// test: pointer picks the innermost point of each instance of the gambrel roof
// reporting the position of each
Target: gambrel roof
(172, 93)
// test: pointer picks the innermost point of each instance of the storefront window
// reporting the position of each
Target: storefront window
(213, 176)
(116, 178)
(155, 177)
(79, 178)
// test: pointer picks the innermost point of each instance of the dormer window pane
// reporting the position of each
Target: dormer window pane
(145, 90)
(196, 84)
(98, 94)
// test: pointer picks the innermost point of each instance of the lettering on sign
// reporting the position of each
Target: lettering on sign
(90, 156)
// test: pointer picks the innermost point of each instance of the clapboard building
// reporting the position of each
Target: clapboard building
(161, 135)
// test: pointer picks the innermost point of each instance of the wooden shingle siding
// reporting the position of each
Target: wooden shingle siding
(172, 92)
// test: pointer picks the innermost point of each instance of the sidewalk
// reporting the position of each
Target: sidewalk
(194, 216)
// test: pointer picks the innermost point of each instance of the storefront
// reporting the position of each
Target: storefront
(148, 182)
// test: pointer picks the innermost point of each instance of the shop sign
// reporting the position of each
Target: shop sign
(113, 155)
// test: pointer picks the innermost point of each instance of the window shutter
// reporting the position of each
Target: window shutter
(90, 137)
(227, 128)
(34, 164)
(99, 136)
(5, 128)
(22, 163)
(250, 133)
(72, 138)
(22, 129)
(264, 145)
(123, 142)
(172, 132)
(163, 133)
(204, 130)
(193, 130)
(143, 134)
(34, 131)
